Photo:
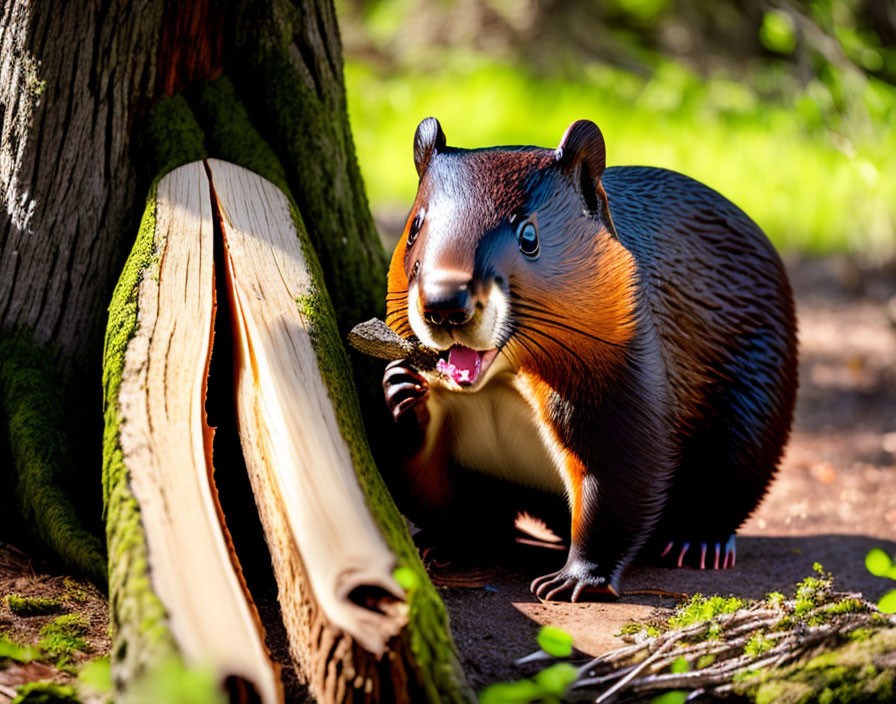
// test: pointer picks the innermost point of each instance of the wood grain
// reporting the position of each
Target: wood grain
(300, 461)
(167, 444)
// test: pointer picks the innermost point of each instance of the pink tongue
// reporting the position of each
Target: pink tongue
(463, 364)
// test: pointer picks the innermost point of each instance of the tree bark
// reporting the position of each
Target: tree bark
(71, 77)
(80, 143)
(75, 79)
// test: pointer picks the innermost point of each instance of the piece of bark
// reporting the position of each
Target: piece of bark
(300, 465)
(376, 339)
(341, 605)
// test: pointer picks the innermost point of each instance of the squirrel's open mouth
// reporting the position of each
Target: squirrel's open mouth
(464, 365)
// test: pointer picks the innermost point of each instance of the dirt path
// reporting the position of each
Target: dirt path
(834, 499)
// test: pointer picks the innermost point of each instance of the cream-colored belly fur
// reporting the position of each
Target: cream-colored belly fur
(495, 431)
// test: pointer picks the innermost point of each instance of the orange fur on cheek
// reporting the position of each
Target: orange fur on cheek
(583, 316)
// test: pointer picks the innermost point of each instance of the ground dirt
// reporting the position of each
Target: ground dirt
(22, 576)
(834, 499)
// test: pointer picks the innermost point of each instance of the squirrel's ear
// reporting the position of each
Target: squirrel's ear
(583, 157)
(428, 141)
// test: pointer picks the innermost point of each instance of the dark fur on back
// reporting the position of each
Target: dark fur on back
(721, 304)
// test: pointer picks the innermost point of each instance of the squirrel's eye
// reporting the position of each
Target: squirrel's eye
(528, 237)
(416, 224)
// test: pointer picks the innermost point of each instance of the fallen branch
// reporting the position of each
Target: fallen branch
(817, 639)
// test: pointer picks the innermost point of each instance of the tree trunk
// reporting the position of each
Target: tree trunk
(100, 99)
(79, 84)
(70, 80)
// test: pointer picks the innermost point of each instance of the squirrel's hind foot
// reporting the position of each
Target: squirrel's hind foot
(700, 554)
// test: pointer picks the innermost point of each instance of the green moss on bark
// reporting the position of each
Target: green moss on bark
(428, 628)
(34, 410)
(229, 133)
(141, 637)
(46, 693)
(26, 606)
(173, 136)
(861, 671)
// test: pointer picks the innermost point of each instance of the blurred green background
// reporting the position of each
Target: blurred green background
(787, 108)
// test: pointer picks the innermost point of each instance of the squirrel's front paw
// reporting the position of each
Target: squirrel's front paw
(579, 575)
(404, 388)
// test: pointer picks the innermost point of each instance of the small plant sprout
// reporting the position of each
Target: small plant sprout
(555, 641)
(547, 686)
(882, 565)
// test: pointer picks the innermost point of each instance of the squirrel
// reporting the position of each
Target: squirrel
(624, 337)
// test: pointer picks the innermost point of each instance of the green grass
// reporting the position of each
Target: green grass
(808, 187)
(64, 635)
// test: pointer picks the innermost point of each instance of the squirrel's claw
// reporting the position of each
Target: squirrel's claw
(730, 552)
(404, 387)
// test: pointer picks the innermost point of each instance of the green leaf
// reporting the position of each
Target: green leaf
(511, 693)
(555, 641)
(680, 665)
(555, 679)
(96, 676)
(888, 603)
(705, 660)
(878, 563)
(777, 33)
(406, 578)
(645, 11)
(674, 697)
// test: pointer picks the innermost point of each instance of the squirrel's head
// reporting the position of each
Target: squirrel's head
(510, 253)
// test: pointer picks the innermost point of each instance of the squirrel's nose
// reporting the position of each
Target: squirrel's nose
(447, 301)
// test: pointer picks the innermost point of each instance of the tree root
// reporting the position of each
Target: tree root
(32, 401)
